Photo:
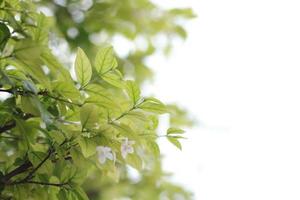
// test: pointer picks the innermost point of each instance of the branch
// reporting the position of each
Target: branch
(30, 175)
(12, 123)
(41, 183)
(22, 168)
(8, 91)
(9, 137)
(126, 113)
(7, 126)
(41, 93)
(60, 99)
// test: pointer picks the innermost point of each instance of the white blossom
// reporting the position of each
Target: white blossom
(126, 147)
(104, 153)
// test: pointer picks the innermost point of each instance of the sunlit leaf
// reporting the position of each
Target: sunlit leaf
(83, 68)
(105, 61)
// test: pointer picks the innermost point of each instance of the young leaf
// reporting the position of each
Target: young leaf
(80, 194)
(174, 131)
(88, 146)
(105, 60)
(153, 105)
(83, 68)
(135, 161)
(89, 115)
(133, 91)
(29, 86)
(4, 35)
(175, 142)
(114, 78)
(154, 148)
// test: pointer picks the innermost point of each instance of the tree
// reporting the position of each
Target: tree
(67, 135)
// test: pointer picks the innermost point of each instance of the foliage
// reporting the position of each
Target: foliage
(75, 133)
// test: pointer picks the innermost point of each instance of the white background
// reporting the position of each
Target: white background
(238, 73)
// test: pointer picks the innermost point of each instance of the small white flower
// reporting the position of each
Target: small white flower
(104, 153)
(126, 147)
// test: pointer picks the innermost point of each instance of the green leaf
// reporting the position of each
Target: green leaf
(80, 194)
(4, 35)
(29, 86)
(89, 115)
(67, 90)
(63, 194)
(135, 161)
(83, 68)
(125, 130)
(105, 60)
(88, 146)
(175, 142)
(153, 105)
(54, 179)
(174, 131)
(114, 78)
(154, 148)
(28, 106)
(133, 91)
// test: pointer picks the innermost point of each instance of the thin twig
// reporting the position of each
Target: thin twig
(22, 168)
(126, 113)
(12, 123)
(41, 183)
(30, 175)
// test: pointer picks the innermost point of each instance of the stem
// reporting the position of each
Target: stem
(40, 183)
(22, 168)
(7, 127)
(30, 175)
(8, 91)
(126, 113)
(14, 10)
(41, 93)
(12, 123)
(4, 57)
(9, 137)
(63, 100)
(5, 180)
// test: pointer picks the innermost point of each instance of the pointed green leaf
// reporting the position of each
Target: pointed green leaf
(153, 105)
(174, 131)
(30, 86)
(114, 78)
(80, 194)
(105, 60)
(133, 91)
(89, 115)
(175, 142)
(4, 35)
(83, 68)
(88, 147)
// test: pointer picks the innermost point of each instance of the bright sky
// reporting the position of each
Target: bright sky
(238, 73)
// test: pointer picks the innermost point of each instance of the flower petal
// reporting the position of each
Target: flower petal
(110, 156)
(102, 158)
(124, 154)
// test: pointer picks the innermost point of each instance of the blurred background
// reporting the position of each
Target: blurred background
(238, 74)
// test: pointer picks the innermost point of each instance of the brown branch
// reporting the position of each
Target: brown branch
(7, 126)
(12, 123)
(22, 168)
(8, 90)
(41, 93)
(40, 183)
(30, 175)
